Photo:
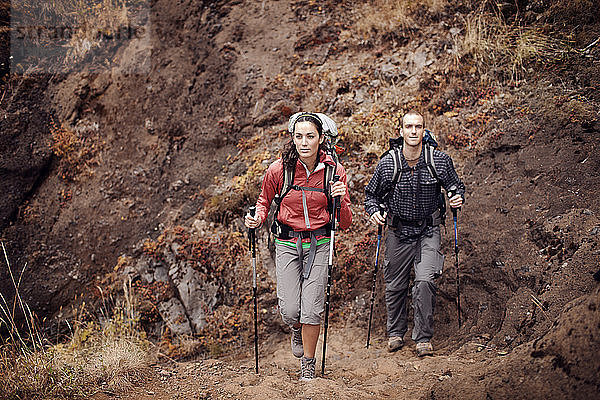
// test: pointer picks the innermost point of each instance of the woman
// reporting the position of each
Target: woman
(302, 243)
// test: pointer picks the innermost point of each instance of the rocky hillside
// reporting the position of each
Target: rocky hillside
(138, 160)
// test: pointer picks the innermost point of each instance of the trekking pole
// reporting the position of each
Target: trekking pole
(252, 245)
(336, 210)
(379, 232)
(452, 192)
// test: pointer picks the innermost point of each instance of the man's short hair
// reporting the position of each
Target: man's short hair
(412, 112)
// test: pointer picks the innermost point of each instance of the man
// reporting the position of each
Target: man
(413, 219)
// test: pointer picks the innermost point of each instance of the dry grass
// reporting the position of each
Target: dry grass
(78, 25)
(494, 49)
(95, 24)
(387, 17)
(110, 356)
(108, 363)
(368, 134)
(33, 375)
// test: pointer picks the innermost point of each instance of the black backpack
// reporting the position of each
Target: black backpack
(429, 144)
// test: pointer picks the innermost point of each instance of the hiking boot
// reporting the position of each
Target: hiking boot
(307, 368)
(395, 343)
(424, 349)
(297, 349)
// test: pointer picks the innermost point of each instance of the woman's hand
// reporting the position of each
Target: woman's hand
(338, 189)
(252, 222)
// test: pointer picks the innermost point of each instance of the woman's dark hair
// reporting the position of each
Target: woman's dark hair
(290, 153)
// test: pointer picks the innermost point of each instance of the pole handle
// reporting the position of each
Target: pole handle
(451, 192)
(252, 212)
(336, 178)
(382, 213)
(336, 207)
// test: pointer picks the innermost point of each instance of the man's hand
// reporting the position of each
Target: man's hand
(252, 222)
(456, 201)
(378, 218)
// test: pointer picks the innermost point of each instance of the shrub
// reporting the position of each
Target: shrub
(354, 262)
(368, 134)
(76, 154)
(224, 259)
(226, 327)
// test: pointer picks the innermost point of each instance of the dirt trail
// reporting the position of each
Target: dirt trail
(352, 372)
(561, 364)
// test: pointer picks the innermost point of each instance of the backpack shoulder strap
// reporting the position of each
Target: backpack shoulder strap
(286, 186)
(397, 165)
(288, 181)
(430, 162)
(397, 170)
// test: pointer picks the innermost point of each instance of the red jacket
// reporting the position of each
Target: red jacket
(292, 210)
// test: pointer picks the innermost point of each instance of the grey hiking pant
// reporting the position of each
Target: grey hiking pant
(400, 257)
(301, 300)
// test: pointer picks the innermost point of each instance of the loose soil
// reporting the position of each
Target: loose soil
(559, 365)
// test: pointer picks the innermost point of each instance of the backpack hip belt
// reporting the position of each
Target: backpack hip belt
(285, 232)
(299, 235)
(396, 223)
